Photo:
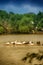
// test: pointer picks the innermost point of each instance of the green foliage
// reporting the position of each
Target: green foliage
(1, 30)
(20, 23)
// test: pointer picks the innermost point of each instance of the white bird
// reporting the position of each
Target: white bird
(17, 42)
(12, 42)
(31, 43)
(7, 43)
(23, 42)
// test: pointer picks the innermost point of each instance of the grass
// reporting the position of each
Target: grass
(14, 55)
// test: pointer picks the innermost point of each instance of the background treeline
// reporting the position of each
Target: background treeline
(20, 23)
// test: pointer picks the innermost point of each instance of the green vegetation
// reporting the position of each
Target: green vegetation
(20, 23)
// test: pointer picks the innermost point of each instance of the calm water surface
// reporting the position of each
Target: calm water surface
(21, 37)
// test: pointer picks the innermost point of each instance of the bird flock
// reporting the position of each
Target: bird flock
(23, 43)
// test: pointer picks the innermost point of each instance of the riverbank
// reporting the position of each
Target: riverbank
(38, 32)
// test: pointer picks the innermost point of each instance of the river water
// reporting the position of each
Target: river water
(21, 37)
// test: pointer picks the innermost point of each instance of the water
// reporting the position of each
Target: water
(21, 37)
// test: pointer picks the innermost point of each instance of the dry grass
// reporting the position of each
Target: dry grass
(14, 55)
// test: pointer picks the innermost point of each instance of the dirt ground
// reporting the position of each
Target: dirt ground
(13, 55)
